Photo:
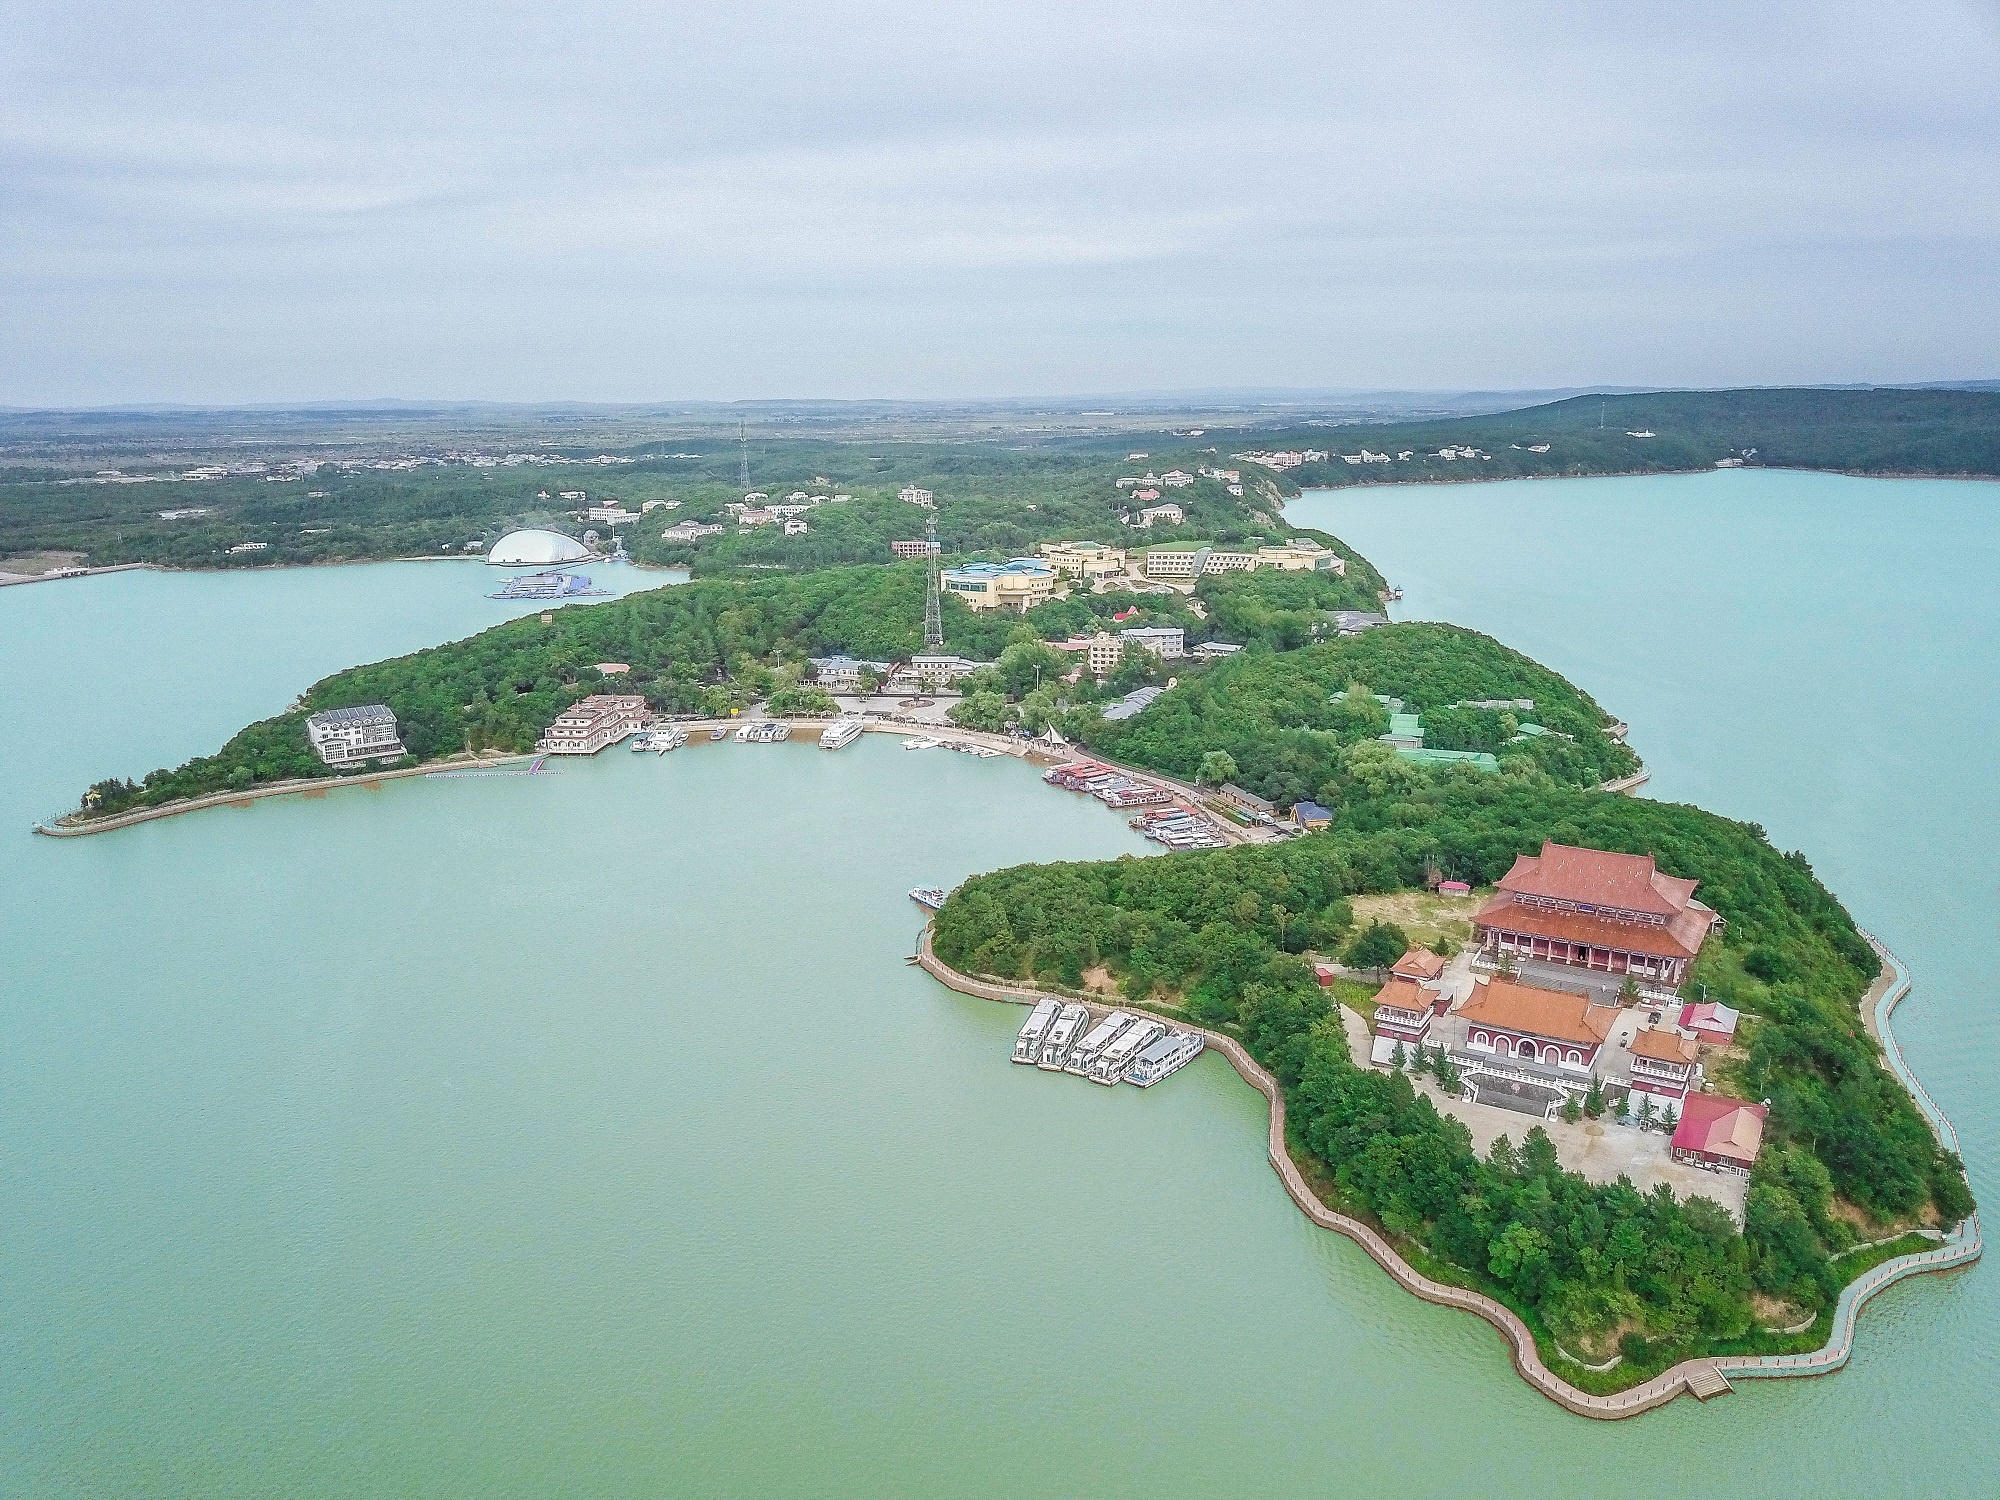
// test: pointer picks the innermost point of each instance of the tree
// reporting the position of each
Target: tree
(1447, 1072)
(1505, 963)
(1217, 766)
(1379, 945)
(1628, 991)
(1593, 1101)
(1398, 1059)
(1571, 1111)
(1646, 1111)
(1027, 664)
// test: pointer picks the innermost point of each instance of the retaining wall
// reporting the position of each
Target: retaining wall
(1699, 1377)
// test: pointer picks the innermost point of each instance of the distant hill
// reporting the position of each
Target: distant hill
(1944, 431)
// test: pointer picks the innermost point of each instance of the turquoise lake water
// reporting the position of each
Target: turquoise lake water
(586, 1133)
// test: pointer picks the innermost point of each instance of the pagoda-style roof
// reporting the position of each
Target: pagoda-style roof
(1665, 1046)
(1530, 1010)
(1592, 877)
(1419, 964)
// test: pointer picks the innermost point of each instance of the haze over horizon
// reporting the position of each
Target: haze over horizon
(857, 199)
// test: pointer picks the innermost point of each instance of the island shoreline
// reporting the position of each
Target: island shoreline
(1703, 1378)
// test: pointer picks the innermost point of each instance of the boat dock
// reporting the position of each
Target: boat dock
(1120, 1048)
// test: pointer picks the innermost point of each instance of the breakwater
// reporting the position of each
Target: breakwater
(1702, 1378)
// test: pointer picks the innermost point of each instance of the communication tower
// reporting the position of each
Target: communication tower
(933, 604)
(743, 438)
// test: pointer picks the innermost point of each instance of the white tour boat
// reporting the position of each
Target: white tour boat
(840, 734)
(1115, 1059)
(1085, 1052)
(1169, 1054)
(1028, 1045)
(1062, 1032)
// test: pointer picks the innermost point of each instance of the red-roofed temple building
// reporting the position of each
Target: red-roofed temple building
(1718, 1132)
(1612, 912)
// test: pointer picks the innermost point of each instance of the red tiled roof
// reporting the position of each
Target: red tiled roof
(1629, 882)
(1665, 1046)
(1419, 964)
(1680, 938)
(1402, 994)
(1533, 1011)
(1721, 1126)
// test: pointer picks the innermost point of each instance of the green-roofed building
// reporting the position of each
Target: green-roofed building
(1423, 757)
(1406, 732)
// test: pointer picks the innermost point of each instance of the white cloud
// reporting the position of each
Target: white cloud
(850, 198)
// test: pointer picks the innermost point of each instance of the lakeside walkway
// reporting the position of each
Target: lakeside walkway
(1701, 1378)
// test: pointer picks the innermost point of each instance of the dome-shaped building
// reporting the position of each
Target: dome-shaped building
(536, 549)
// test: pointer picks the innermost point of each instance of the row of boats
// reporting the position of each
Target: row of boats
(837, 735)
(1058, 1038)
(661, 740)
(1178, 828)
(926, 742)
(1165, 822)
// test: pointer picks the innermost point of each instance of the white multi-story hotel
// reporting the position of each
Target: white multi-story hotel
(1168, 642)
(588, 725)
(343, 736)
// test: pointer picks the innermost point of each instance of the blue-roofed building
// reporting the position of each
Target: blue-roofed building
(1016, 585)
(1310, 815)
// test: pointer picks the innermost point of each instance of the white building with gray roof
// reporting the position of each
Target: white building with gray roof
(345, 736)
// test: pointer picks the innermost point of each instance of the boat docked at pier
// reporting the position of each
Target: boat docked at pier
(840, 734)
(1062, 1034)
(763, 732)
(1028, 1044)
(921, 742)
(671, 737)
(1094, 1041)
(929, 897)
(1110, 1064)
(1165, 1055)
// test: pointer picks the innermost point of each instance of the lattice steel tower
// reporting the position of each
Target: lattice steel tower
(743, 438)
(933, 603)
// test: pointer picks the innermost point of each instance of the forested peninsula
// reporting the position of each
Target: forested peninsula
(1220, 937)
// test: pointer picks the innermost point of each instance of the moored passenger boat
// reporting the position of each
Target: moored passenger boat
(643, 740)
(670, 738)
(1112, 1062)
(840, 734)
(1028, 1044)
(1094, 1041)
(929, 897)
(1167, 1054)
(1062, 1032)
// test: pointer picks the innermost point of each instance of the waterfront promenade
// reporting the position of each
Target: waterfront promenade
(1702, 1378)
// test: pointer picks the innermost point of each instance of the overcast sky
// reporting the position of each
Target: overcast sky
(758, 198)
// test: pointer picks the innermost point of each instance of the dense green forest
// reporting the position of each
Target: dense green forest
(990, 499)
(706, 647)
(1857, 431)
(1219, 933)
(1293, 728)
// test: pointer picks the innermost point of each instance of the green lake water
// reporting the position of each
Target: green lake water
(586, 1133)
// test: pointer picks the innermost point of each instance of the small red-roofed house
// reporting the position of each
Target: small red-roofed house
(1419, 966)
(1712, 1025)
(1663, 1065)
(1402, 1015)
(1716, 1131)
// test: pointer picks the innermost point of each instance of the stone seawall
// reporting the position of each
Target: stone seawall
(59, 830)
(1701, 1378)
